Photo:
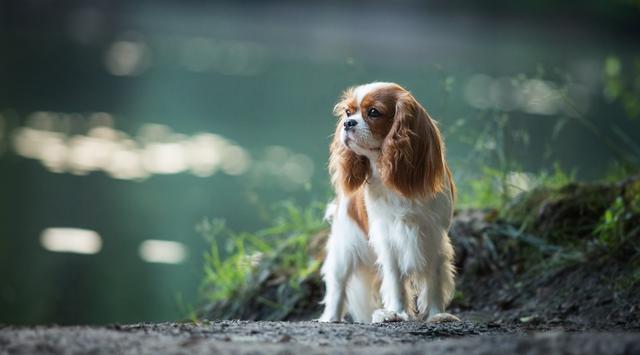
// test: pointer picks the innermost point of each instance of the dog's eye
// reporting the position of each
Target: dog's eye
(373, 112)
(348, 112)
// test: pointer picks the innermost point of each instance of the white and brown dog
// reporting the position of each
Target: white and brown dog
(389, 257)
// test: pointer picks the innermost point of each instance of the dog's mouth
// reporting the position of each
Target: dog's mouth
(351, 142)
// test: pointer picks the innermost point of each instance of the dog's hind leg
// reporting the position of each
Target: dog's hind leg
(345, 249)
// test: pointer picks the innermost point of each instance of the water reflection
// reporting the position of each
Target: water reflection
(532, 96)
(162, 251)
(71, 240)
(155, 150)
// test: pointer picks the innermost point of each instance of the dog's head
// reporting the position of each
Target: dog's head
(384, 124)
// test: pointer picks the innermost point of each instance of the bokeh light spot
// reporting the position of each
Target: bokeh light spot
(71, 240)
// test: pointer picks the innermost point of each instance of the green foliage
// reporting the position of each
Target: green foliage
(483, 192)
(623, 85)
(297, 226)
(556, 178)
(237, 264)
(499, 139)
(496, 188)
(224, 276)
(619, 228)
(575, 223)
(619, 170)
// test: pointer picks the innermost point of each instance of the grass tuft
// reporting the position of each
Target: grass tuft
(268, 269)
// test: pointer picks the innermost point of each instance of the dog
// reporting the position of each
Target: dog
(389, 257)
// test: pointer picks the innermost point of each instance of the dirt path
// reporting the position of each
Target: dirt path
(243, 337)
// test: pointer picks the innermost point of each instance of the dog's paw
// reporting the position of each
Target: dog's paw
(443, 318)
(383, 315)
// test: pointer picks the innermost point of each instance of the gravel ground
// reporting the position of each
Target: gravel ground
(244, 337)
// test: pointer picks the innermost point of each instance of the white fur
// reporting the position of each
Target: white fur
(363, 90)
(411, 241)
(349, 262)
(408, 242)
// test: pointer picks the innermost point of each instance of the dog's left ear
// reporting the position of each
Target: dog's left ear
(412, 160)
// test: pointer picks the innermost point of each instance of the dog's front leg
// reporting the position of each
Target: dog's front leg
(335, 271)
(391, 290)
(334, 298)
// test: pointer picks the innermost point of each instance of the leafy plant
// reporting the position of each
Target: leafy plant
(496, 188)
(483, 192)
(618, 229)
(239, 266)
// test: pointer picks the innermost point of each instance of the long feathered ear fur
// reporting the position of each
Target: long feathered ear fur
(348, 170)
(412, 159)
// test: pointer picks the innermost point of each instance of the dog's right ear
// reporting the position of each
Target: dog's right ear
(348, 170)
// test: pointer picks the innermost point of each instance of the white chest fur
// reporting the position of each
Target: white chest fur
(409, 230)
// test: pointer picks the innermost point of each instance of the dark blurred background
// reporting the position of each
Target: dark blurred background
(125, 123)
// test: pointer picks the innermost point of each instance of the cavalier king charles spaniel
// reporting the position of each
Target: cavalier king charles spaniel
(389, 257)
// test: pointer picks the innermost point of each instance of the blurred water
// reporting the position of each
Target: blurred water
(134, 122)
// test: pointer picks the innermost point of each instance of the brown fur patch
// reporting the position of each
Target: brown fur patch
(383, 100)
(412, 160)
(347, 102)
(358, 211)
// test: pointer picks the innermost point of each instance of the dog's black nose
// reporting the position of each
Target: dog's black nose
(349, 124)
